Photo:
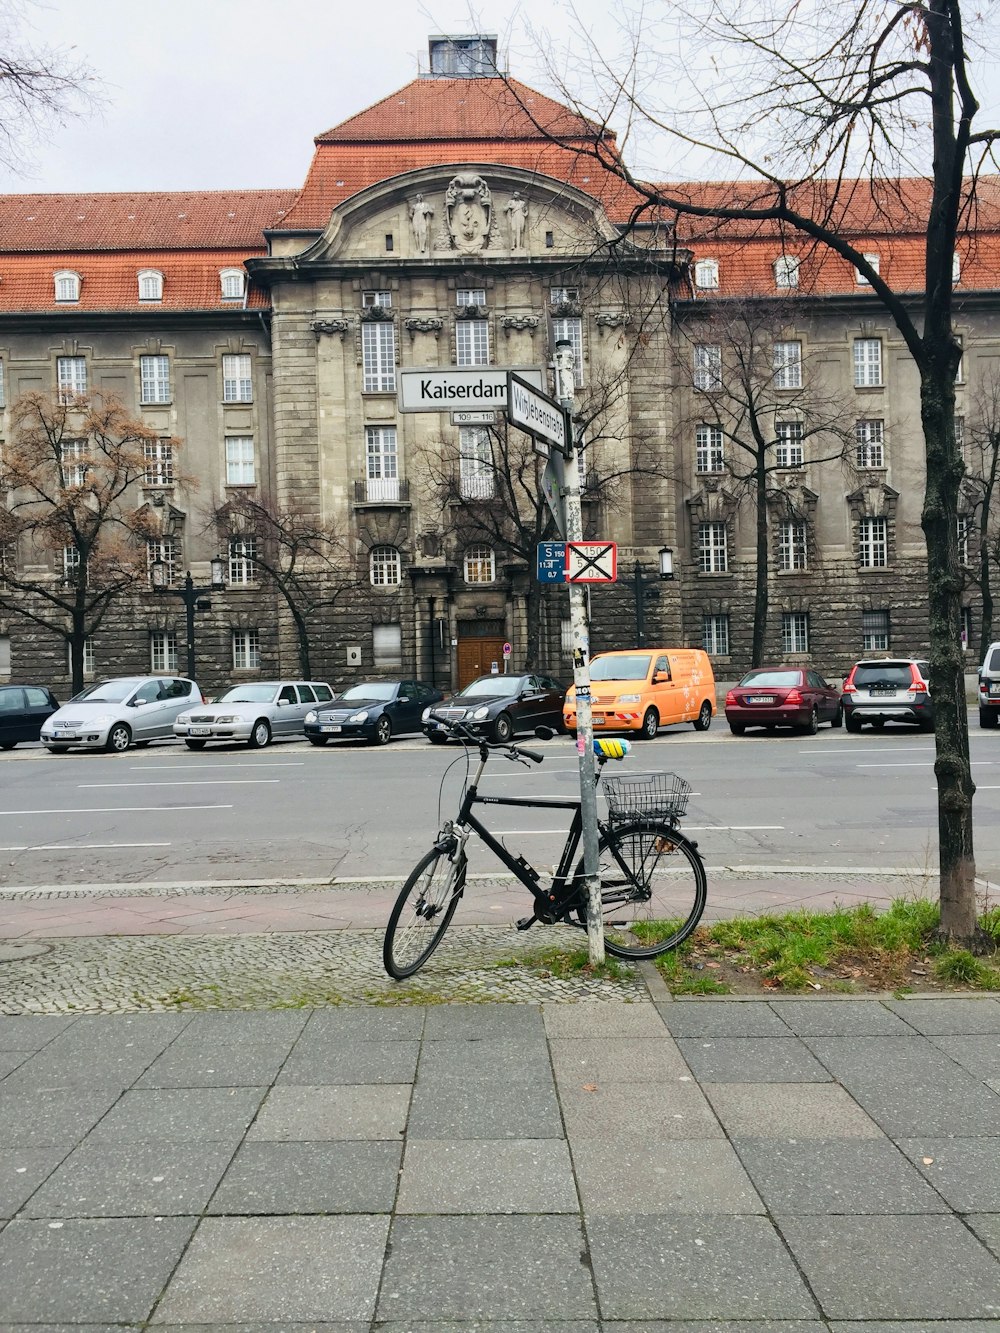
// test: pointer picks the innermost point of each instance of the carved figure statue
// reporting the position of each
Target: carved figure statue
(420, 215)
(517, 214)
(469, 208)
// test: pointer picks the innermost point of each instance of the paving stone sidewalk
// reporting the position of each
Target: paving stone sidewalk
(705, 1166)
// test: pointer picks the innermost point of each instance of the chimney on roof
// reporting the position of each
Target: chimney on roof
(462, 57)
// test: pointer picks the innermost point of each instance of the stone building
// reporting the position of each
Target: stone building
(270, 332)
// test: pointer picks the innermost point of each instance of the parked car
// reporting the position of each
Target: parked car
(643, 689)
(989, 687)
(374, 710)
(115, 714)
(783, 696)
(891, 689)
(23, 709)
(498, 706)
(253, 712)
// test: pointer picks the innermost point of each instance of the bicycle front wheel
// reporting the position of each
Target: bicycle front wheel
(423, 912)
(652, 889)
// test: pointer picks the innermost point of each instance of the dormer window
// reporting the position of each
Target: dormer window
(233, 281)
(150, 285)
(706, 274)
(67, 285)
(786, 271)
(872, 260)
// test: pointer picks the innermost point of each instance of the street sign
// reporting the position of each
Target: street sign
(591, 562)
(473, 418)
(551, 562)
(507, 649)
(447, 388)
(541, 416)
(553, 482)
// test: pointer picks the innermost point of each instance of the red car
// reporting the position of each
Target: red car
(783, 696)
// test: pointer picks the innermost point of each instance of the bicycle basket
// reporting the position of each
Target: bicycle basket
(644, 795)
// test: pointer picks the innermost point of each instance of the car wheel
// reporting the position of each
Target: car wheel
(503, 729)
(852, 723)
(196, 745)
(650, 725)
(383, 731)
(317, 740)
(8, 745)
(838, 718)
(260, 734)
(988, 718)
(812, 726)
(737, 728)
(435, 739)
(119, 738)
(57, 749)
(879, 724)
(704, 719)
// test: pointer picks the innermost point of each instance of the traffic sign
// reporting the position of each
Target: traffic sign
(507, 650)
(542, 417)
(591, 562)
(551, 562)
(449, 388)
(553, 482)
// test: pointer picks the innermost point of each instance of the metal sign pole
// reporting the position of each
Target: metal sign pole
(581, 674)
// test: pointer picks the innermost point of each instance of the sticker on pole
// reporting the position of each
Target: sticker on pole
(591, 562)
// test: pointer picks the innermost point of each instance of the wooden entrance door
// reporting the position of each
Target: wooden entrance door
(476, 658)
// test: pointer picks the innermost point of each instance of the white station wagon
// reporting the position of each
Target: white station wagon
(254, 712)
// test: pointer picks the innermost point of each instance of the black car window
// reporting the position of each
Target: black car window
(36, 698)
(894, 674)
(662, 665)
(306, 695)
(11, 701)
(148, 693)
(175, 689)
(323, 694)
(772, 680)
(287, 694)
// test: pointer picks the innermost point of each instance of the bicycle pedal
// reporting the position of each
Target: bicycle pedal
(526, 922)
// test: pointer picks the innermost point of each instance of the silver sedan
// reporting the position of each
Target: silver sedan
(254, 713)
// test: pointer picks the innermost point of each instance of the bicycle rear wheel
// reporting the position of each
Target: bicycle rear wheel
(653, 888)
(423, 912)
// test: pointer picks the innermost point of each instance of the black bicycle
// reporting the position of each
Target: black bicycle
(652, 878)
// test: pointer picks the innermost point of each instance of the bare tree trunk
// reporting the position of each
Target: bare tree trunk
(760, 602)
(533, 616)
(985, 579)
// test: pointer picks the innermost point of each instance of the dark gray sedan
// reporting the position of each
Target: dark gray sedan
(373, 710)
(498, 706)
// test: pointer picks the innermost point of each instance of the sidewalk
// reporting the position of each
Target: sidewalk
(714, 1166)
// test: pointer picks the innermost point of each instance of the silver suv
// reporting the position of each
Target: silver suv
(115, 714)
(989, 687)
(889, 689)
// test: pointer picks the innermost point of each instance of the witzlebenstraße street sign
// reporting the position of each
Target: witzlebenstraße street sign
(551, 558)
(545, 420)
(458, 388)
(591, 562)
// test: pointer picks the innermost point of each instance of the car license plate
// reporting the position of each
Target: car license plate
(760, 698)
(882, 692)
(995, 687)
(200, 731)
(328, 727)
(598, 721)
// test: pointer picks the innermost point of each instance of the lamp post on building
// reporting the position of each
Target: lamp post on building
(643, 586)
(189, 595)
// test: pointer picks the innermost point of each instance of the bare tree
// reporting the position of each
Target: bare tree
(71, 469)
(981, 487)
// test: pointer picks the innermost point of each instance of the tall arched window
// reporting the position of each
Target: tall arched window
(150, 285)
(480, 564)
(383, 566)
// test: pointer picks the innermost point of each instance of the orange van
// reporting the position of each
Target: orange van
(644, 689)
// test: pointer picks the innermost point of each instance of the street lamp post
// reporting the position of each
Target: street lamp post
(643, 586)
(189, 595)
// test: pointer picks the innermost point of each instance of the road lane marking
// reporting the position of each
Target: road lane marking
(880, 749)
(179, 768)
(78, 846)
(118, 810)
(208, 782)
(980, 763)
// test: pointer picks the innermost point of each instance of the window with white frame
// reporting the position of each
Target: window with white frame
(959, 432)
(89, 661)
(869, 436)
(150, 285)
(154, 379)
(382, 463)
(163, 650)
(794, 632)
(566, 636)
(713, 548)
(246, 650)
(387, 645)
(67, 285)
(71, 377)
(867, 362)
(70, 562)
(564, 295)
(371, 299)
(159, 459)
(872, 260)
(964, 530)
(237, 383)
(706, 274)
(165, 549)
(715, 634)
(965, 628)
(378, 356)
(873, 543)
(787, 362)
(476, 480)
(791, 544)
(240, 470)
(788, 451)
(472, 342)
(786, 271)
(707, 366)
(4, 654)
(470, 296)
(3, 386)
(956, 267)
(480, 564)
(960, 370)
(232, 284)
(242, 560)
(570, 329)
(709, 449)
(384, 567)
(874, 631)
(73, 458)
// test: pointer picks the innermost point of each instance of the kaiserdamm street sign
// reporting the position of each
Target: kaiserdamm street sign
(591, 562)
(545, 420)
(458, 388)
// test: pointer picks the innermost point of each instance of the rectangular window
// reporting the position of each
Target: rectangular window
(165, 549)
(472, 342)
(960, 432)
(709, 452)
(370, 299)
(788, 448)
(89, 660)
(707, 366)
(475, 462)
(869, 434)
(242, 560)
(570, 329)
(246, 650)
(237, 385)
(73, 456)
(873, 261)
(715, 635)
(470, 296)
(3, 387)
(874, 631)
(154, 379)
(713, 551)
(566, 636)
(706, 274)
(791, 544)
(787, 362)
(159, 456)
(794, 632)
(71, 562)
(163, 650)
(867, 362)
(873, 543)
(786, 271)
(378, 356)
(387, 645)
(382, 463)
(71, 377)
(964, 533)
(965, 632)
(239, 460)
(564, 295)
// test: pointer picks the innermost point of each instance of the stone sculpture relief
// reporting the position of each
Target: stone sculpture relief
(468, 208)
(517, 217)
(421, 213)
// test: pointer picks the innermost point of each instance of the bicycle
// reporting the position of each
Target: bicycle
(652, 878)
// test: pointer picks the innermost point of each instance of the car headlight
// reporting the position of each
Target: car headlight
(480, 713)
(184, 717)
(227, 718)
(630, 698)
(359, 717)
(312, 715)
(425, 715)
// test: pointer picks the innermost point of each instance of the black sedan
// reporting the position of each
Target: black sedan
(373, 710)
(498, 706)
(23, 709)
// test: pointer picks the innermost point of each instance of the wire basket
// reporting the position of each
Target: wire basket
(645, 795)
